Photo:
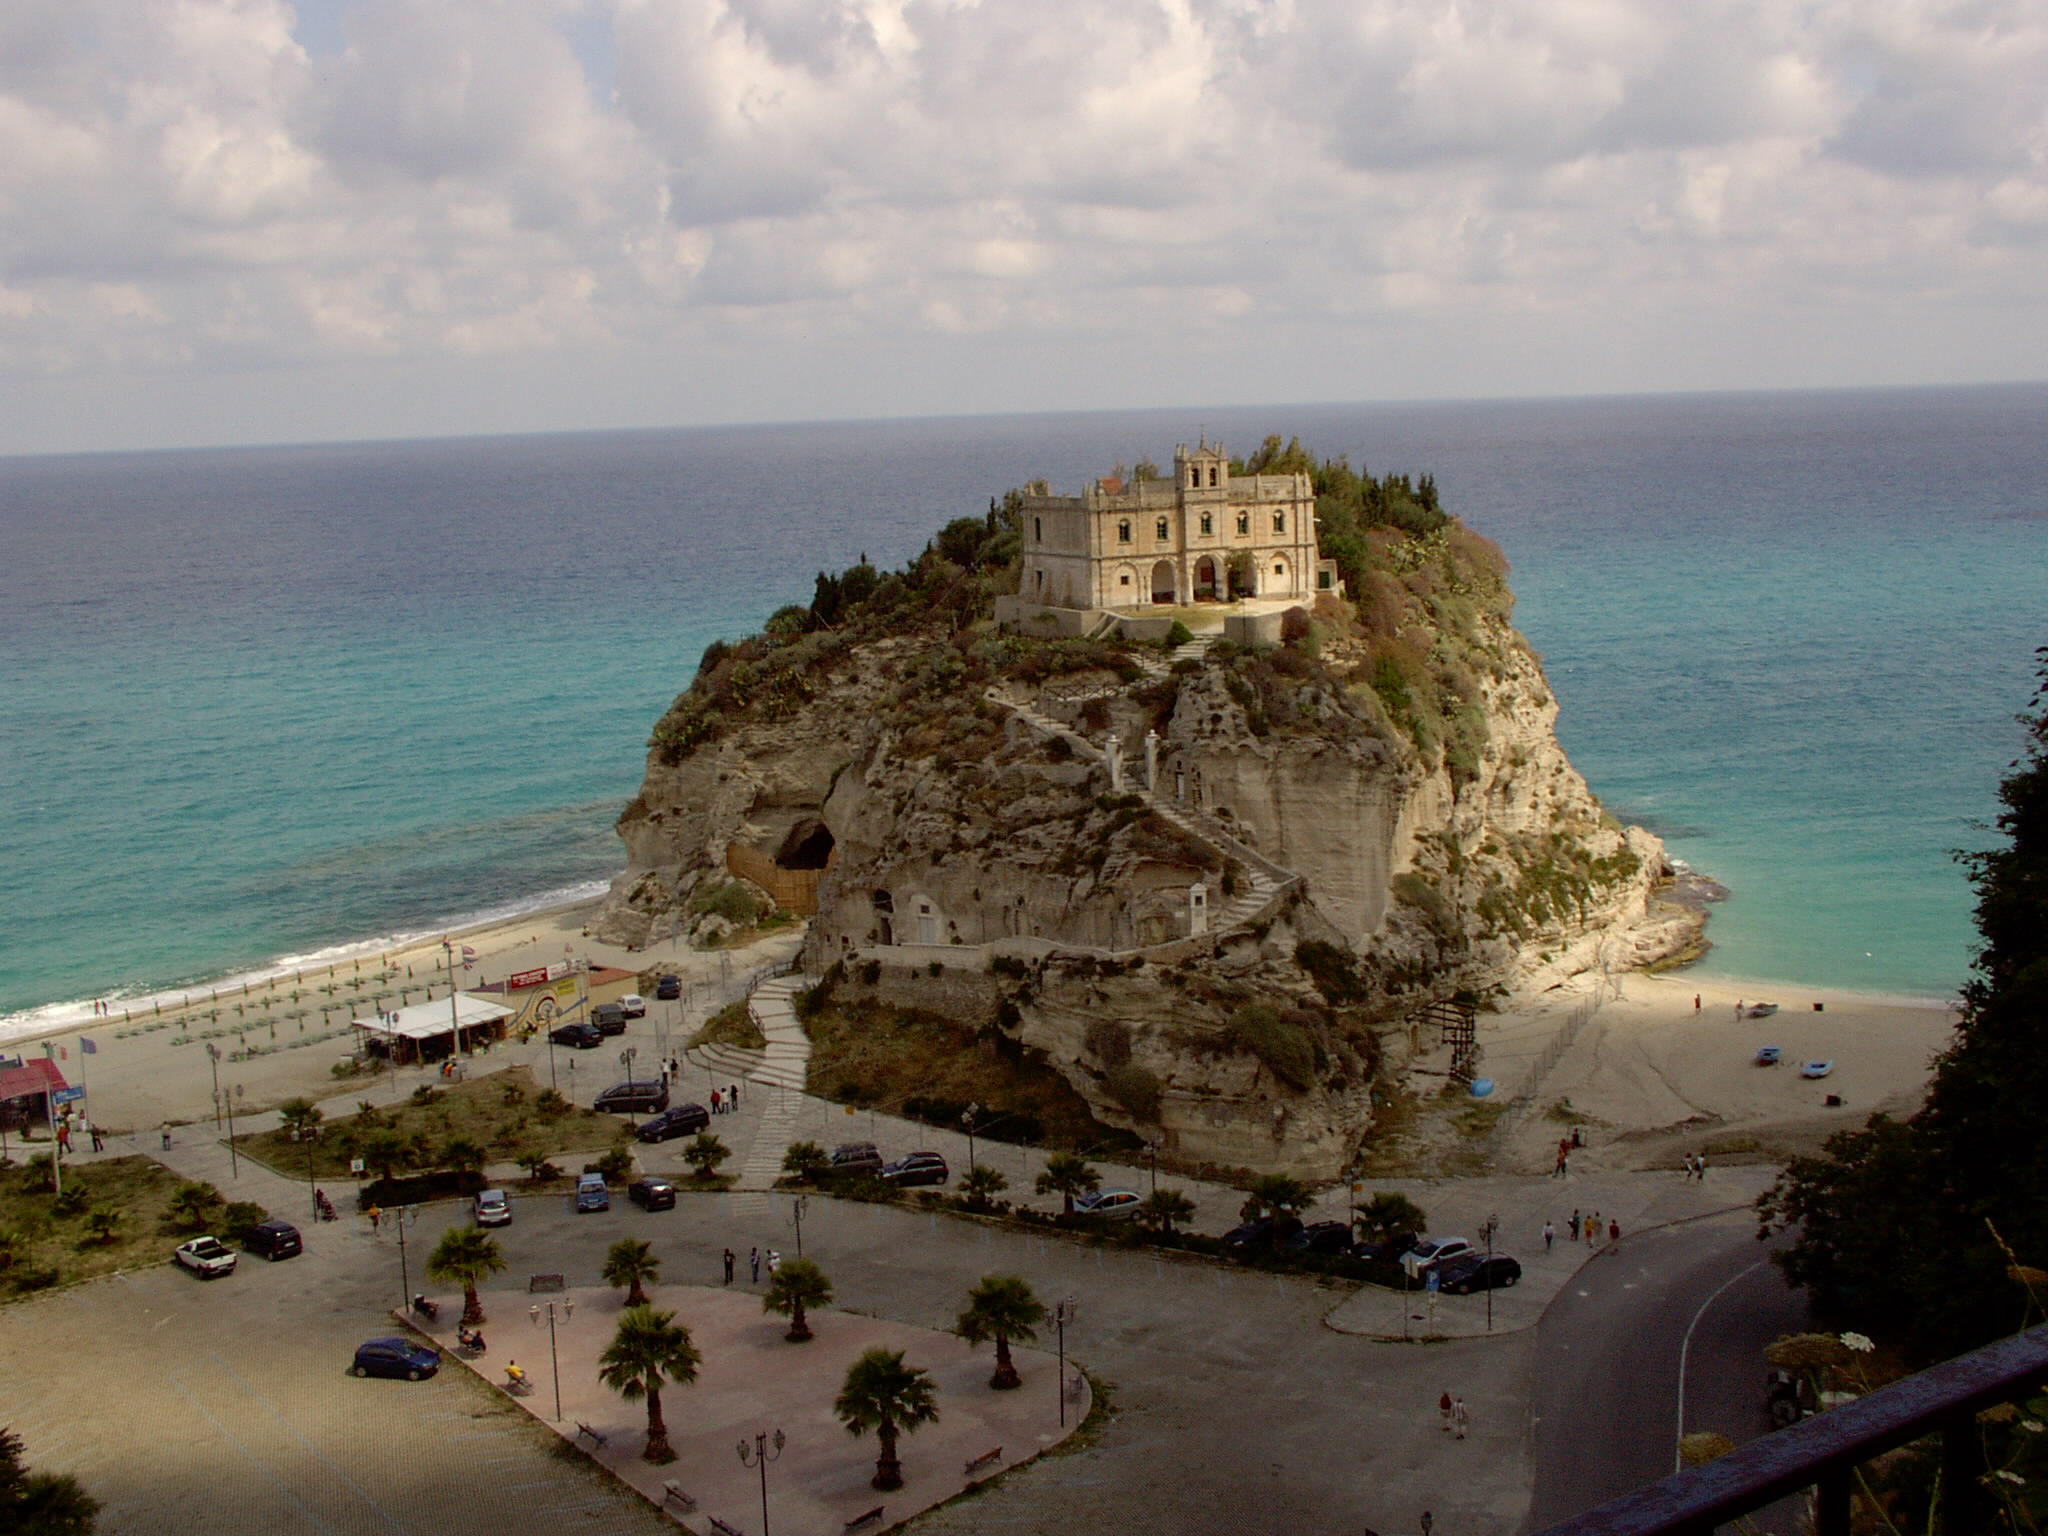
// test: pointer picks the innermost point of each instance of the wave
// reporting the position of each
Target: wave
(77, 1013)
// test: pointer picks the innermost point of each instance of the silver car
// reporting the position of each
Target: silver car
(493, 1209)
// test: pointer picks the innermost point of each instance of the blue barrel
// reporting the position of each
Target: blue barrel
(1481, 1087)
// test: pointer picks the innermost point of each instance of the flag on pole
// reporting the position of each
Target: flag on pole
(85, 1044)
(468, 958)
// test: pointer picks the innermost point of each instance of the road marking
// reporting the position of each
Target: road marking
(1685, 1351)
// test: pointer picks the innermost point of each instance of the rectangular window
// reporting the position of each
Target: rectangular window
(1123, 530)
(1279, 522)
(1208, 523)
(1244, 522)
(1160, 529)
(1038, 529)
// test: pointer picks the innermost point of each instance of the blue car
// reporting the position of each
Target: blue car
(396, 1357)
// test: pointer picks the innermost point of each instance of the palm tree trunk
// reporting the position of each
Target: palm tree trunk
(1006, 1376)
(658, 1448)
(888, 1470)
(635, 1297)
(799, 1329)
(472, 1306)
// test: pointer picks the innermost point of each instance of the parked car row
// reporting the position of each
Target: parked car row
(917, 1168)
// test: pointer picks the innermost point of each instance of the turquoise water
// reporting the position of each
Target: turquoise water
(272, 703)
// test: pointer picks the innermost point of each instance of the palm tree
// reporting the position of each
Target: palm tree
(384, 1150)
(193, 1204)
(704, 1152)
(806, 1161)
(1389, 1215)
(632, 1263)
(793, 1287)
(889, 1397)
(980, 1185)
(1280, 1195)
(104, 1220)
(1164, 1207)
(300, 1118)
(650, 1350)
(466, 1256)
(1001, 1308)
(462, 1155)
(1068, 1176)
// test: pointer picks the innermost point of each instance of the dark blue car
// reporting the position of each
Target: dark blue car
(396, 1357)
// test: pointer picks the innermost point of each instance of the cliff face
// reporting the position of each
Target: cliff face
(1213, 891)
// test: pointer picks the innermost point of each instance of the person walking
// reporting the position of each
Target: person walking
(1593, 1227)
(97, 1144)
(1699, 1167)
(715, 1109)
(774, 1262)
(1614, 1231)
(728, 1266)
(1549, 1236)
(64, 1135)
(1571, 1229)
(376, 1215)
(1461, 1418)
(1443, 1412)
(754, 1264)
(732, 1095)
(167, 1135)
(1695, 1002)
(1428, 1522)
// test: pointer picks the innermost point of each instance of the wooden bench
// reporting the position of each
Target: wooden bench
(672, 1493)
(723, 1529)
(985, 1459)
(862, 1522)
(597, 1437)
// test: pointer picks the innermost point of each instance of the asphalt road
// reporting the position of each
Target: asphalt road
(1679, 1313)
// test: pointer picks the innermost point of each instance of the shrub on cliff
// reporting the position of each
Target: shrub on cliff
(1286, 1041)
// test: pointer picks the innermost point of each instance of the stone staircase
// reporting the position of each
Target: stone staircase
(1196, 649)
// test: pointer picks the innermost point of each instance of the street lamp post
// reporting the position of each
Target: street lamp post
(967, 1118)
(1491, 1224)
(405, 1216)
(1152, 1157)
(234, 1162)
(312, 1189)
(1063, 1314)
(213, 1060)
(626, 1060)
(758, 1455)
(554, 1360)
(798, 1209)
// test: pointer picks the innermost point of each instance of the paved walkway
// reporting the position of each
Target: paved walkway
(753, 1381)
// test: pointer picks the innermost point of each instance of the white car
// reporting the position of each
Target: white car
(633, 1005)
(206, 1257)
(1434, 1250)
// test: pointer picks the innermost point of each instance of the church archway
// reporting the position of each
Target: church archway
(1205, 578)
(1165, 588)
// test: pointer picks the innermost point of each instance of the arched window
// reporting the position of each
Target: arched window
(1195, 476)
(1244, 522)
(1159, 529)
(1279, 522)
(1123, 530)
(1212, 475)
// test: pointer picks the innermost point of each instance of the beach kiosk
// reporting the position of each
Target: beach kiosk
(428, 1031)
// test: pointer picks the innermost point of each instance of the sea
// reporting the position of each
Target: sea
(269, 707)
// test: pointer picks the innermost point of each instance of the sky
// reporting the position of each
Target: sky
(228, 221)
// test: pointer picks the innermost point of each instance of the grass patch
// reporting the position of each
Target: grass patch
(1562, 1112)
(46, 1242)
(505, 1115)
(731, 1025)
(884, 1058)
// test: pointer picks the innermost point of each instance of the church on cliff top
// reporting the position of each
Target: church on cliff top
(1204, 536)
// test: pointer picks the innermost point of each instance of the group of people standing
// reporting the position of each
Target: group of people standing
(754, 1260)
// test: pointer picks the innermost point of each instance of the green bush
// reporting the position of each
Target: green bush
(1285, 1042)
(1180, 634)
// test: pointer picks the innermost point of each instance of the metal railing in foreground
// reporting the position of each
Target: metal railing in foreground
(1823, 1453)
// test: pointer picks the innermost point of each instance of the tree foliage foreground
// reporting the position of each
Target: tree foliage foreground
(1935, 1228)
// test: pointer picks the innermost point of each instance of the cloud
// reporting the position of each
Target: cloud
(184, 187)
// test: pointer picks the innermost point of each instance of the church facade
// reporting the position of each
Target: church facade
(1203, 536)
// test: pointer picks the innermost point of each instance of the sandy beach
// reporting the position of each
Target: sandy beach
(1656, 1076)
(139, 1077)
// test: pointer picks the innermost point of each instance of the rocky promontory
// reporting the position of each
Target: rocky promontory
(1225, 882)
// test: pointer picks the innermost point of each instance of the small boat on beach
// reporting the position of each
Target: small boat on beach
(1769, 1055)
(1817, 1068)
(1763, 1010)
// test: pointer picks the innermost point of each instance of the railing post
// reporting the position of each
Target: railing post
(1962, 1497)
(1831, 1503)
